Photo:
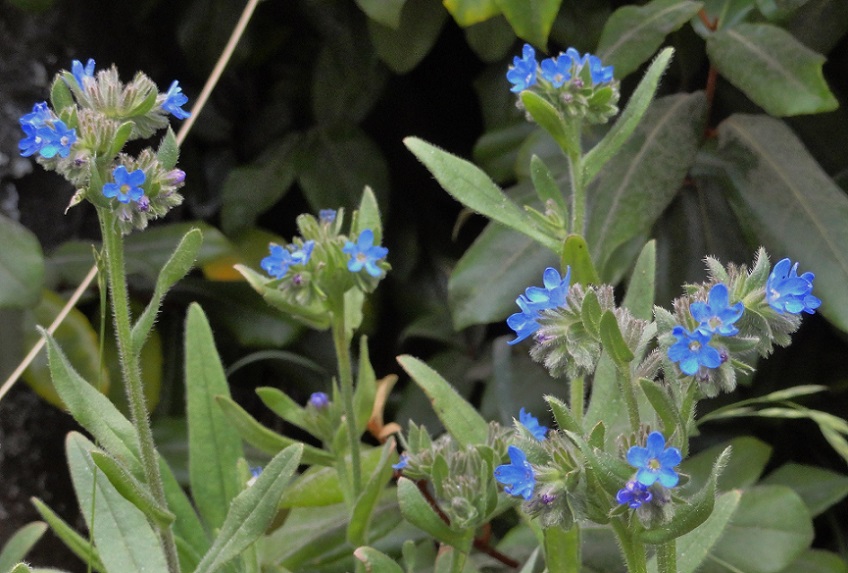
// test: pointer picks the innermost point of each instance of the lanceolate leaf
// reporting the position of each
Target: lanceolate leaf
(775, 70)
(795, 209)
(633, 33)
(19, 544)
(79, 546)
(531, 21)
(637, 185)
(21, 265)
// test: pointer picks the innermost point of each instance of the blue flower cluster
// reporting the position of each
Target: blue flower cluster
(557, 71)
(535, 300)
(364, 253)
(45, 134)
(655, 463)
(127, 186)
(281, 258)
(715, 317)
(786, 292)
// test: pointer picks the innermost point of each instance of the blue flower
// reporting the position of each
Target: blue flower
(127, 186)
(557, 71)
(319, 400)
(522, 74)
(787, 292)
(56, 141)
(715, 316)
(655, 462)
(600, 74)
(404, 460)
(536, 299)
(634, 494)
(327, 215)
(277, 263)
(255, 472)
(530, 422)
(80, 72)
(34, 139)
(302, 255)
(692, 350)
(517, 476)
(364, 253)
(40, 116)
(174, 100)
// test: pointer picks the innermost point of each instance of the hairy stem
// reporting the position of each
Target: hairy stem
(633, 550)
(667, 557)
(113, 247)
(342, 345)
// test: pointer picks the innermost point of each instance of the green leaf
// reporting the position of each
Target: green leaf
(252, 511)
(469, 185)
(818, 487)
(694, 547)
(633, 33)
(177, 267)
(775, 70)
(124, 538)
(75, 335)
(386, 12)
(613, 340)
(817, 561)
(376, 561)
(418, 511)
(663, 405)
(742, 470)
(759, 539)
(315, 315)
(122, 134)
(131, 489)
(638, 184)
(368, 216)
(79, 546)
(60, 95)
(531, 21)
(469, 12)
(21, 265)
(598, 156)
(264, 439)
(789, 201)
(546, 185)
(366, 387)
(575, 254)
(694, 513)
(404, 45)
(590, 314)
(504, 260)
(564, 130)
(169, 151)
(214, 445)
(283, 406)
(639, 298)
(320, 486)
(19, 544)
(363, 508)
(458, 416)
(264, 182)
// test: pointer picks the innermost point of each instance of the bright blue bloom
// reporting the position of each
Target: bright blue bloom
(787, 292)
(57, 141)
(557, 71)
(692, 350)
(655, 462)
(174, 100)
(127, 186)
(364, 253)
(518, 475)
(277, 263)
(530, 422)
(522, 74)
(301, 256)
(319, 400)
(34, 139)
(80, 72)
(600, 74)
(536, 299)
(40, 116)
(327, 215)
(404, 460)
(715, 316)
(634, 494)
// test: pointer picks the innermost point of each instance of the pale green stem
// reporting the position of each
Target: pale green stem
(667, 557)
(113, 256)
(578, 196)
(577, 398)
(562, 549)
(634, 551)
(342, 345)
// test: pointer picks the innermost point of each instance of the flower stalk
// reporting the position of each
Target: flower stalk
(341, 342)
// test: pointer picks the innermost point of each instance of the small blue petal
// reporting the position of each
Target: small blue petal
(530, 422)
(363, 253)
(518, 475)
(654, 462)
(786, 292)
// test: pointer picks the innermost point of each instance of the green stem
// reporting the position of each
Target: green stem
(634, 551)
(626, 385)
(562, 549)
(113, 247)
(578, 195)
(667, 557)
(577, 398)
(342, 345)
